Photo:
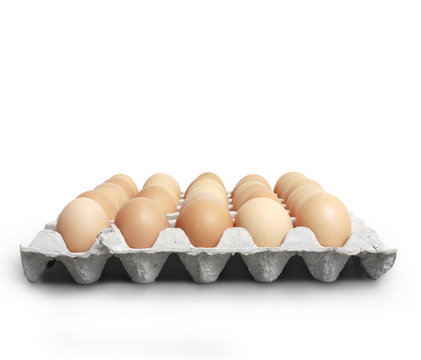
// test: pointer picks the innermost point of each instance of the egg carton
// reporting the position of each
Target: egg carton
(204, 265)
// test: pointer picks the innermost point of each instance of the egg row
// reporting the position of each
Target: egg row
(305, 200)
(204, 214)
(83, 218)
(117, 190)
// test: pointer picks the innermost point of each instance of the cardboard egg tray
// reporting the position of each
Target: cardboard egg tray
(204, 265)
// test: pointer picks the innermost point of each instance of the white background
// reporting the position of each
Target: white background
(328, 88)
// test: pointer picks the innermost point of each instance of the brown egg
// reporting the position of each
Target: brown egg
(202, 177)
(327, 217)
(161, 196)
(297, 198)
(80, 222)
(284, 177)
(266, 220)
(300, 183)
(259, 194)
(287, 182)
(190, 185)
(166, 181)
(246, 185)
(212, 176)
(102, 200)
(168, 189)
(204, 196)
(251, 177)
(114, 192)
(128, 189)
(206, 182)
(209, 189)
(140, 221)
(204, 222)
(128, 179)
(244, 190)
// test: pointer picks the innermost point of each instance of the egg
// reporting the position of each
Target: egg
(204, 182)
(103, 201)
(202, 195)
(259, 194)
(169, 190)
(287, 182)
(327, 217)
(128, 179)
(244, 190)
(266, 220)
(246, 185)
(164, 180)
(204, 222)
(128, 189)
(251, 177)
(205, 176)
(140, 221)
(209, 189)
(300, 183)
(114, 192)
(208, 183)
(80, 222)
(161, 196)
(297, 198)
(284, 177)
(212, 176)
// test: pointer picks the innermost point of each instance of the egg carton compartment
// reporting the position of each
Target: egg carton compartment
(204, 265)
(48, 245)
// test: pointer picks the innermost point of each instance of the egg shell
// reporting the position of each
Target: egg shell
(245, 185)
(164, 179)
(266, 220)
(299, 196)
(244, 190)
(161, 196)
(114, 192)
(209, 189)
(204, 196)
(286, 184)
(327, 217)
(140, 221)
(300, 183)
(204, 177)
(190, 185)
(251, 177)
(103, 201)
(208, 183)
(124, 185)
(168, 189)
(212, 176)
(259, 194)
(285, 177)
(204, 222)
(80, 222)
(128, 179)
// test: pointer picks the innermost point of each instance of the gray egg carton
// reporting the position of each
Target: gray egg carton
(265, 264)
